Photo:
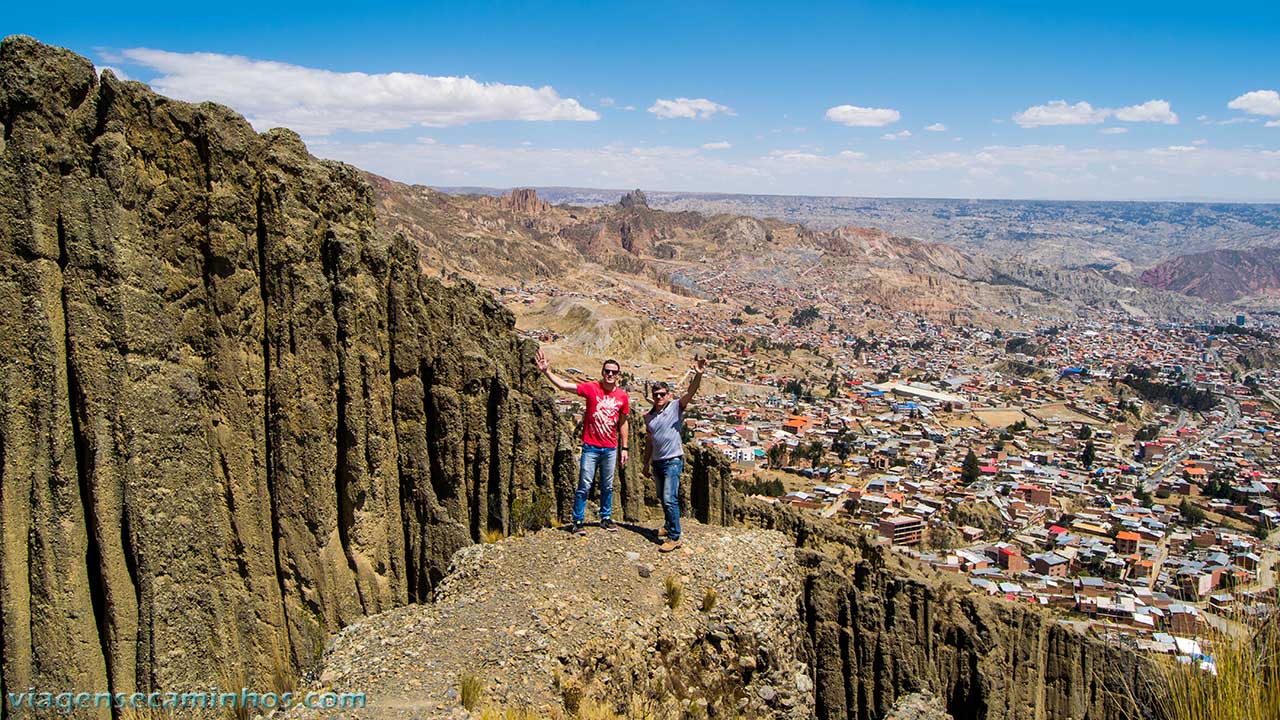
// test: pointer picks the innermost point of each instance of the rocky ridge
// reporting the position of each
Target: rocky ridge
(235, 416)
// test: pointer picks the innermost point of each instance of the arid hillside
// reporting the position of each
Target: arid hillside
(519, 238)
(1222, 276)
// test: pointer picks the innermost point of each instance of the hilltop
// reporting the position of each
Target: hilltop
(551, 621)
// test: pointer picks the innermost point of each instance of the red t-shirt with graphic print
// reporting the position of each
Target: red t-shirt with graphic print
(600, 425)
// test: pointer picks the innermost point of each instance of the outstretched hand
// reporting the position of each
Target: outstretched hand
(540, 359)
(699, 363)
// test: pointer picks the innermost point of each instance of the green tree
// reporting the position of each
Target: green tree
(815, 452)
(971, 470)
(1142, 495)
(1089, 455)
(1085, 433)
(777, 454)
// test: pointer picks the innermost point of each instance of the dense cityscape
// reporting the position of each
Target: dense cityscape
(1120, 472)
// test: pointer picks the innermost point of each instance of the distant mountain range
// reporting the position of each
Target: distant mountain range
(522, 236)
(1124, 236)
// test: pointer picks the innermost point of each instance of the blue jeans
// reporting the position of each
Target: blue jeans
(591, 458)
(669, 471)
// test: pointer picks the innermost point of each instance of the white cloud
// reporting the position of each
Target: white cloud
(855, 116)
(1258, 102)
(1173, 150)
(1272, 123)
(719, 145)
(1114, 131)
(1012, 171)
(1200, 141)
(319, 102)
(902, 135)
(794, 156)
(607, 102)
(936, 127)
(1058, 112)
(1150, 111)
(1229, 121)
(688, 108)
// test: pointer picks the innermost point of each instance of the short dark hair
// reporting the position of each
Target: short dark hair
(660, 385)
(609, 362)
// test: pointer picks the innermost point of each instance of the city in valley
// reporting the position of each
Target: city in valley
(1117, 469)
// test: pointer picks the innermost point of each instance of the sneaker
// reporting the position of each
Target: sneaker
(669, 545)
(662, 532)
(607, 524)
(579, 530)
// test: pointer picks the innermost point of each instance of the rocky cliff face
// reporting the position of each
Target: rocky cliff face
(880, 629)
(233, 417)
(878, 635)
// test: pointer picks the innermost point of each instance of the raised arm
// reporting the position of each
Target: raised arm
(541, 360)
(699, 364)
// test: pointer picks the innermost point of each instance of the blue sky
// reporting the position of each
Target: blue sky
(1073, 101)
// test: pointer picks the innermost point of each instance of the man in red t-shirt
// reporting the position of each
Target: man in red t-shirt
(604, 437)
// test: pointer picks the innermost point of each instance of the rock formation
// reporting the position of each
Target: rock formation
(634, 199)
(234, 417)
(522, 201)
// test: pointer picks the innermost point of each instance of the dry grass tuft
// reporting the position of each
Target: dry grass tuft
(1246, 685)
(709, 599)
(672, 591)
(471, 688)
(283, 677)
(489, 537)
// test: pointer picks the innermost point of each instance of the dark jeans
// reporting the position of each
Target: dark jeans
(669, 472)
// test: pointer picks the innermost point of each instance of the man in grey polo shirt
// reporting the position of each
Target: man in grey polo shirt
(664, 450)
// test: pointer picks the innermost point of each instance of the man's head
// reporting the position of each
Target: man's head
(661, 394)
(610, 373)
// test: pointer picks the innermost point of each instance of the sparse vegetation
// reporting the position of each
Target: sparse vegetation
(284, 679)
(709, 599)
(802, 317)
(231, 675)
(760, 486)
(1244, 684)
(672, 591)
(492, 535)
(531, 515)
(1192, 513)
(471, 687)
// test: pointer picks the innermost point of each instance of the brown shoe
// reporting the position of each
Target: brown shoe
(662, 532)
(668, 546)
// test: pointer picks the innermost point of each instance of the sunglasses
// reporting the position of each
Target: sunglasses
(660, 393)
(610, 372)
